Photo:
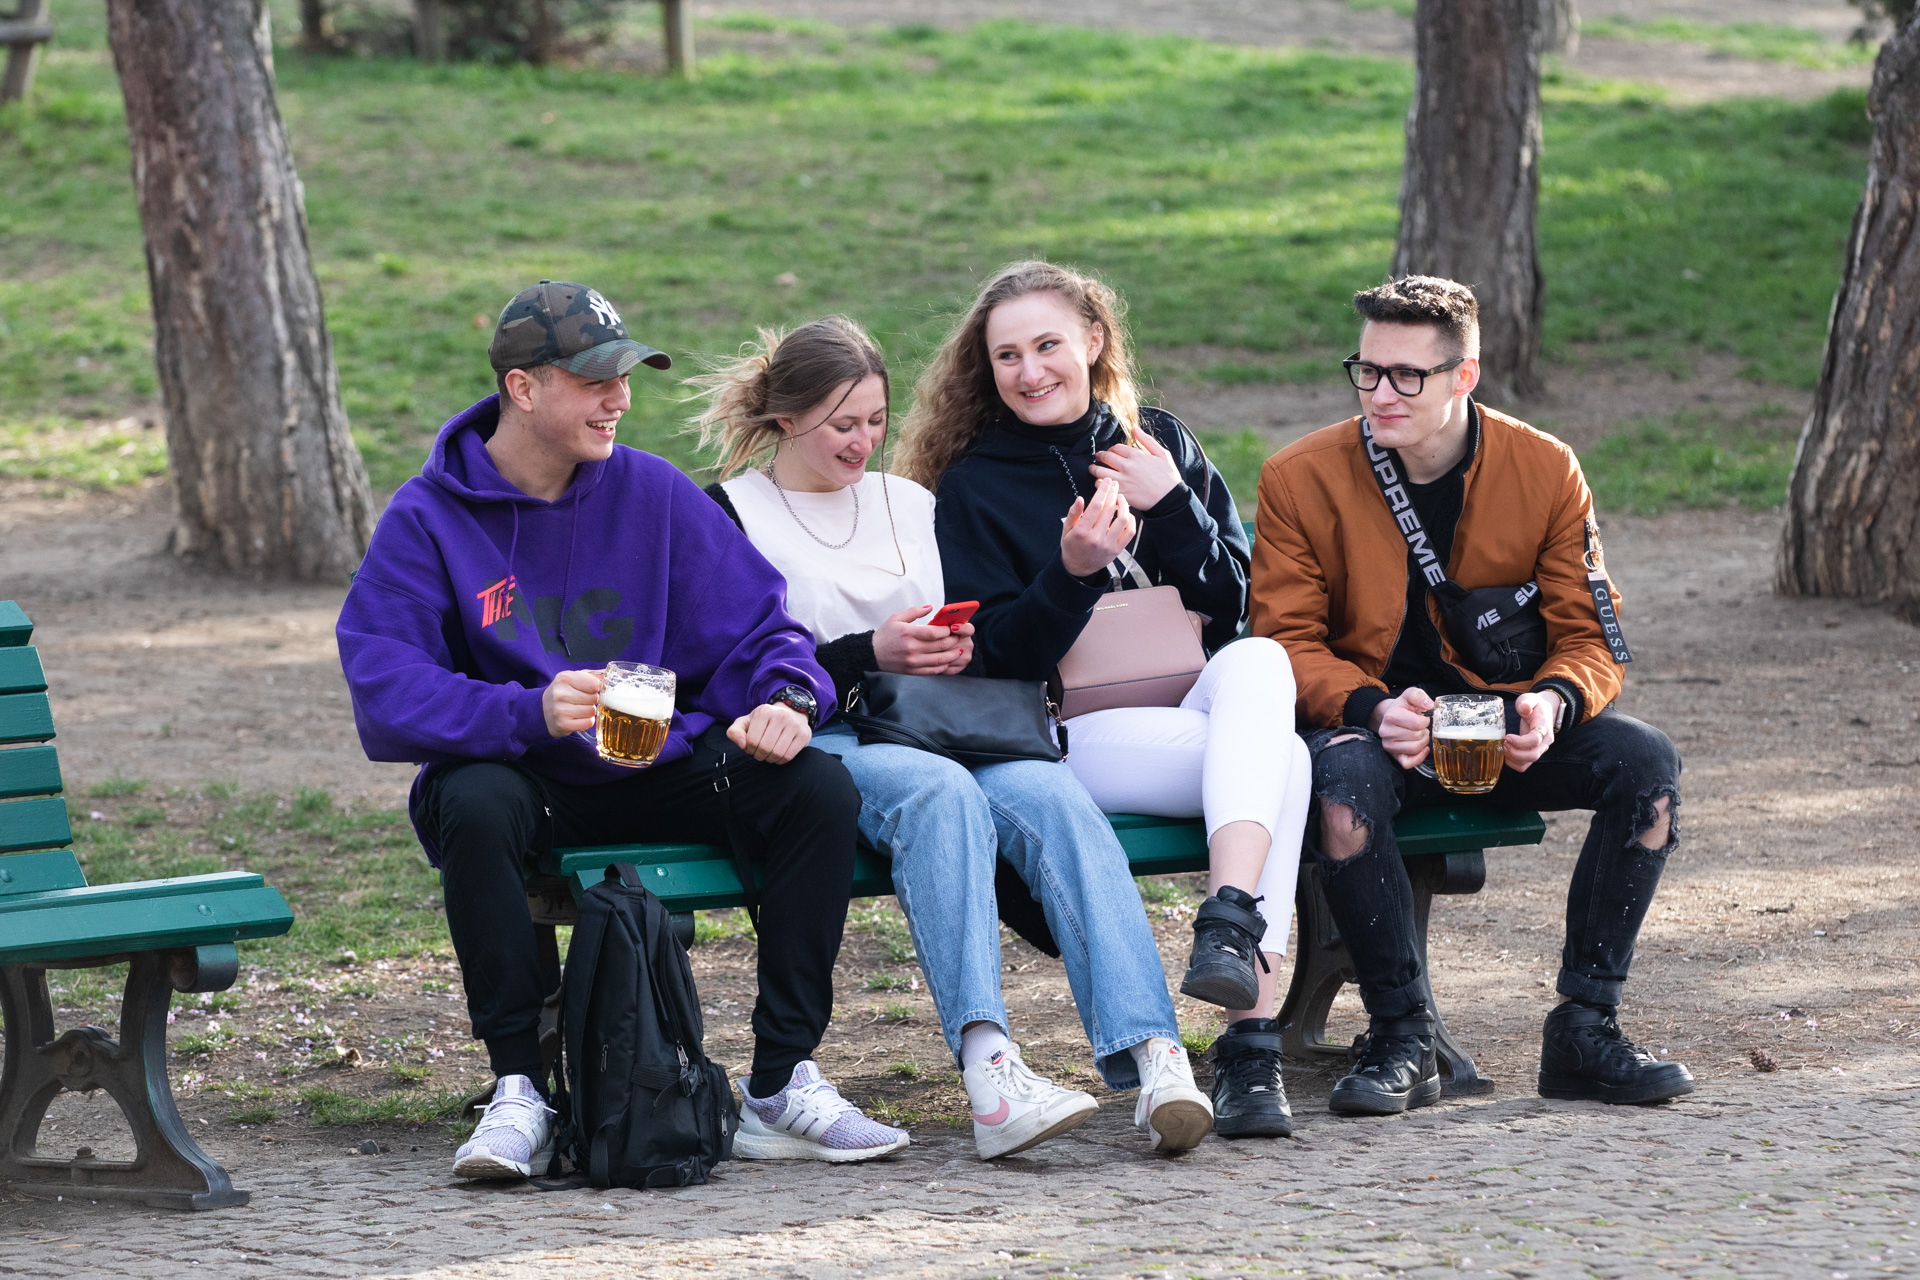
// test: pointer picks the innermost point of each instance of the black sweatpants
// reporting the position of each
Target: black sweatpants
(492, 821)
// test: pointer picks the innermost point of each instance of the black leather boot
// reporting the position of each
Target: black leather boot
(1248, 1099)
(1397, 1071)
(1585, 1055)
(1226, 944)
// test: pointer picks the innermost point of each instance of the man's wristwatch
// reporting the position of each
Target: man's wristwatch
(795, 698)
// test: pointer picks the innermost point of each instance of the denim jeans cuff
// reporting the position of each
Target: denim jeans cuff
(1116, 1065)
(1602, 991)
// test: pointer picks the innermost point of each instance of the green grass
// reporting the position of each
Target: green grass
(355, 878)
(1237, 197)
(329, 1106)
(1761, 41)
(1694, 459)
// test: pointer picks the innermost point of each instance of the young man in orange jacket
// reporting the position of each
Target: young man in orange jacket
(1370, 535)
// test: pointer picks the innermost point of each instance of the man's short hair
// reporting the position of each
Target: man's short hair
(539, 372)
(1446, 305)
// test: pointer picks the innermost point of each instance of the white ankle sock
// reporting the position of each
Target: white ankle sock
(1147, 1048)
(980, 1041)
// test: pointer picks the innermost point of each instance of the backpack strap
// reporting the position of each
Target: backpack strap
(749, 887)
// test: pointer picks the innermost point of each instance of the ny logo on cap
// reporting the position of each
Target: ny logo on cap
(602, 309)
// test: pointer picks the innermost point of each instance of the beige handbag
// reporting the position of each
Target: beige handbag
(1141, 648)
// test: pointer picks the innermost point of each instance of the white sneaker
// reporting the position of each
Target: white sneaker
(1014, 1109)
(1171, 1110)
(514, 1138)
(809, 1120)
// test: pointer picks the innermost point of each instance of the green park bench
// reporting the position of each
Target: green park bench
(1443, 849)
(173, 935)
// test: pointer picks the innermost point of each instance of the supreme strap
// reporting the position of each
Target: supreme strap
(1386, 474)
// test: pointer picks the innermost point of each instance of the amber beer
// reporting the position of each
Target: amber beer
(1467, 760)
(1469, 742)
(636, 710)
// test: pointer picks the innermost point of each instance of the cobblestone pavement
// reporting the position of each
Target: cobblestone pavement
(1789, 1174)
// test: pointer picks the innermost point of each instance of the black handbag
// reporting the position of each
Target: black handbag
(970, 719)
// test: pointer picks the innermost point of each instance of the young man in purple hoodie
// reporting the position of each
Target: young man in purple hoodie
(530, 551)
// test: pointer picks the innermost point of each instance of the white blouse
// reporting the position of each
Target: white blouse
(838, 592)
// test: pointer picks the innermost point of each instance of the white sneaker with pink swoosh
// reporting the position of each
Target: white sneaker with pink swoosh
(1014, 1109)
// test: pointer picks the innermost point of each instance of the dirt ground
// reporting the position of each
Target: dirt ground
(1688, 72)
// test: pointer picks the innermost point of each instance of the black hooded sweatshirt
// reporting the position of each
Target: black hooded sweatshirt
(998, 524)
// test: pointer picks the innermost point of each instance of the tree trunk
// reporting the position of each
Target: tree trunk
(1472, 175)
(1559, 27)
(314, 27)
(1853, 505)
(266, 478)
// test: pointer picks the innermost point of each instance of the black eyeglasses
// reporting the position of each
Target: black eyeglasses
(1365, 377)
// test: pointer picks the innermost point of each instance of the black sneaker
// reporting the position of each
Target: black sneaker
(1248, 1098)
(1585, 1055)
(1397, 1071)
(1226, 942)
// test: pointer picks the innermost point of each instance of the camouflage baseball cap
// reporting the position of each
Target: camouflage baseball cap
(571, 326)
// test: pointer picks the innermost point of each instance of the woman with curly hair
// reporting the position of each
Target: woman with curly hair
(796, 422)
(1056, 486)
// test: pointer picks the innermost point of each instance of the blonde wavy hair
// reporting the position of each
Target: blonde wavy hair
(956, 400)
(782, 376)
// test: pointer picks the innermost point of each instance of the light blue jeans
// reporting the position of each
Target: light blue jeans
(943, 825)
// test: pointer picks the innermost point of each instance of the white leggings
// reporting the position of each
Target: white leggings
(1228, 753)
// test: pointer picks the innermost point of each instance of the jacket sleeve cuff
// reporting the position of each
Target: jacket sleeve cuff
(529, 711)
(1569, 693)
(1067, 593)
(1358, 712)
(1177, 498)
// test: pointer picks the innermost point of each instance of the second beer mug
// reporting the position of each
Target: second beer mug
(636, 710)
(1469, 742)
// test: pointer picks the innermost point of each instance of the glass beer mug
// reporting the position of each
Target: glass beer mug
(636, 710)
(1469, 742)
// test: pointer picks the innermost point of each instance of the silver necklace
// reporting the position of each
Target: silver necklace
(831, 546)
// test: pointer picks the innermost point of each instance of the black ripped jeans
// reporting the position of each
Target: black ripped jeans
(1612, 764)
(491, 821)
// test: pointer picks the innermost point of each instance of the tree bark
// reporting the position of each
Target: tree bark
(1472, 176)
(265, 475)
(1853, 504)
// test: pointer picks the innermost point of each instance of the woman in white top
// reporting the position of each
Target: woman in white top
(796, 424)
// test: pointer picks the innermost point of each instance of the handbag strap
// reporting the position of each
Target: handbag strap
(1386, 475)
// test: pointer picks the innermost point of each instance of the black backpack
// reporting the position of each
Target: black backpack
(643, 1106)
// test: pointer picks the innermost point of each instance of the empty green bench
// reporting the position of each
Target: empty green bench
(173, 935)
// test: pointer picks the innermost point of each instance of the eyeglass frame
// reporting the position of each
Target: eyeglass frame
(1389, 370)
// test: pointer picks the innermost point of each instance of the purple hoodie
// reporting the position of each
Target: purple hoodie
(473, 595)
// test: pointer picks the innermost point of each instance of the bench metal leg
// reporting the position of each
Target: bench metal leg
(1323, 966)
(169, 1170)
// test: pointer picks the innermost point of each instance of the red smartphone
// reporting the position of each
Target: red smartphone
(951, 615)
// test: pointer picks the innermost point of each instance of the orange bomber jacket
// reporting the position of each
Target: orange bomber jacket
(1330, 564)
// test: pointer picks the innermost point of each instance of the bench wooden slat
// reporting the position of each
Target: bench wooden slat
(72, 924)
(29, 771)
(39, 872)
(25, 717)
(701, 877)
(34, 824)
(20, 670)
(13, 31)
(15, 629)
(1459, 827)
(135, 891)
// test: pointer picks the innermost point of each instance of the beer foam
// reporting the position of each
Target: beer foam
(1471, 732)
(646, 701)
